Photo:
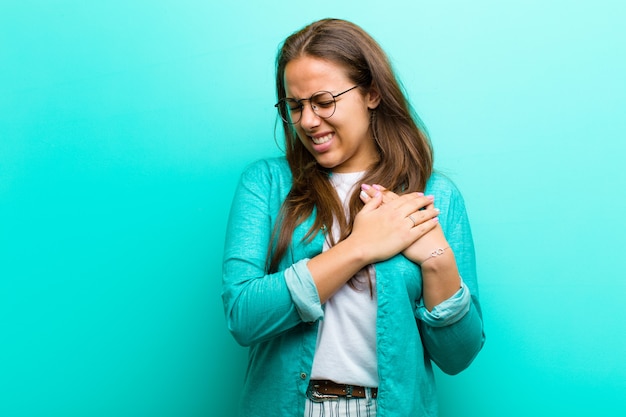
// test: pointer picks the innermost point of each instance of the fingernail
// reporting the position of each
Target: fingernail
(378, 193)
(364, 195)
(365, 187)
(437, 210)
(377, 187)
(430, 197)
(436, 219)
(420, 194)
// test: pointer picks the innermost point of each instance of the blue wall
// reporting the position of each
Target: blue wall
(123, 128)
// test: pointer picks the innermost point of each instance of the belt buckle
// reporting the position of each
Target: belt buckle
(318, 397)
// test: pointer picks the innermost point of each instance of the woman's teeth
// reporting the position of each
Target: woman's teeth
(323, 139)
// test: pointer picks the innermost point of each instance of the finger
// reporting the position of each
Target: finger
(423, 228)
(387, 194)
(421, 216)
(431, 198)
(364, 196)
(368, 191)
(409, 203)
(371, 203)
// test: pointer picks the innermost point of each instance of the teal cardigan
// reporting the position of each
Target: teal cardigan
(277, 314)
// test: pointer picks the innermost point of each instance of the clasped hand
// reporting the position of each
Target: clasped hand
(395, 223)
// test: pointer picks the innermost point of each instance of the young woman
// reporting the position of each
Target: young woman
(348, 264)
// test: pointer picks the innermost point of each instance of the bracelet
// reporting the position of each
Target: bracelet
(435, 253)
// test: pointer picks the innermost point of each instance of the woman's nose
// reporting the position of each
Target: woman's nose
(309, 118)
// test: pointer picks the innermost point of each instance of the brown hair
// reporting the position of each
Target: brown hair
(405, 153)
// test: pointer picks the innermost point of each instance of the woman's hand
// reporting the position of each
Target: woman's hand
(380, 231)
(440, 274)
(384, 230)
(426, 215)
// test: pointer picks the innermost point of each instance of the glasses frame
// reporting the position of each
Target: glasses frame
(300, 103)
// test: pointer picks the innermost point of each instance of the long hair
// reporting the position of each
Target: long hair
(405, 154)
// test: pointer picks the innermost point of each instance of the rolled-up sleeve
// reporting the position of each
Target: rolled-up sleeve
(259, 305)
(303, 292)
(447, 312)
(453, 331)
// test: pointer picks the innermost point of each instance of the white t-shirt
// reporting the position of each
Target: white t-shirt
(346, 342)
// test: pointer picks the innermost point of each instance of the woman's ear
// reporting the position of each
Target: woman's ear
(373, 98)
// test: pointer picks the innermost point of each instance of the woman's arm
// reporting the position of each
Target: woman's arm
(452, 331)
(259, 305)
(449, 313)
(379, 233)
(432, 252)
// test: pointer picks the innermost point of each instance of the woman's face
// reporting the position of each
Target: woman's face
(342, 142)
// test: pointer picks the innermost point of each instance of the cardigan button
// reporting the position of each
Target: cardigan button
(302, 375)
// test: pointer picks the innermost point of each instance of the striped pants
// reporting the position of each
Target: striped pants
(342, 407)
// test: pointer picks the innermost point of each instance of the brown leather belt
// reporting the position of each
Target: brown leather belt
(330, 388)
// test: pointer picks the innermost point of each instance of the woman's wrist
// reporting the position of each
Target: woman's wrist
(440, 278)
(434, 254)
(438, 260)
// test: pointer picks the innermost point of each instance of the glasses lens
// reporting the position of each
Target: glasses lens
(289, 110)
(323, 104)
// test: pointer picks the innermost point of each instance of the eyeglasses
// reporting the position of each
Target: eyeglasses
(322, 103)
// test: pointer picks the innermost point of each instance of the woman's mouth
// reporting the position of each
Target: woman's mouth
(322, 139)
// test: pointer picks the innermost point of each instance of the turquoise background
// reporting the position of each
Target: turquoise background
(125, 124)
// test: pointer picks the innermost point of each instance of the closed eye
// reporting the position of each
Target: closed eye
(324, 104)
(293, 105)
